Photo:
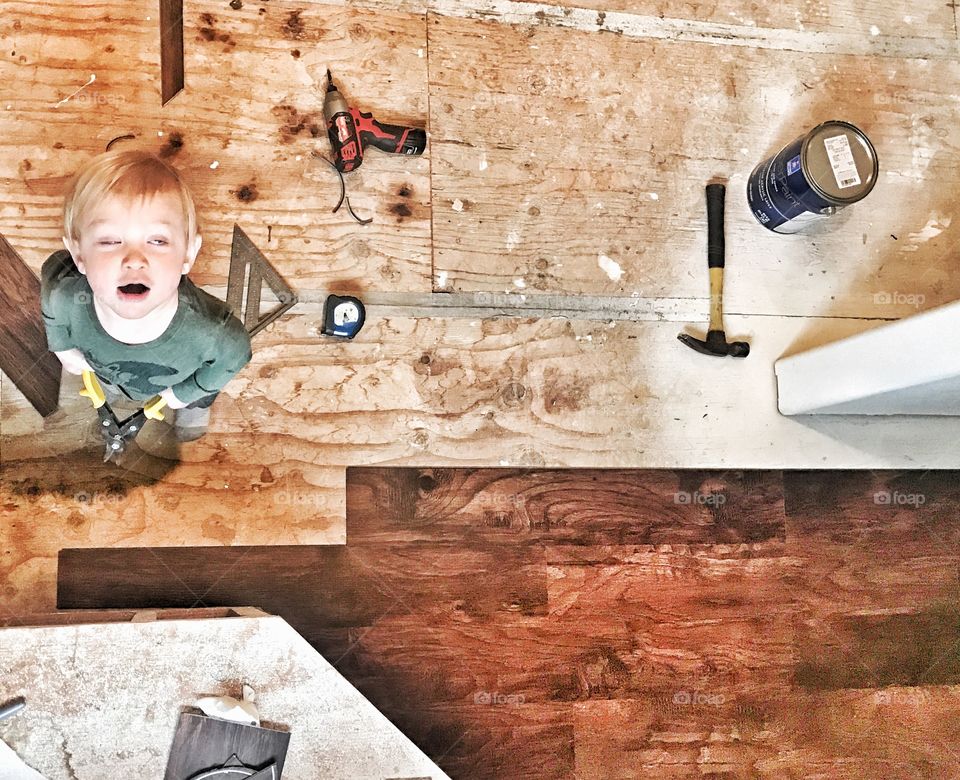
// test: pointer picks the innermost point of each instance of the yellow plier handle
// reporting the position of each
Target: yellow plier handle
(152, 409)
(92, 389)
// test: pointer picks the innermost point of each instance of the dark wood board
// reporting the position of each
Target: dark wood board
(24, 356)
(171, 48)
(324, 582)
(202, 743)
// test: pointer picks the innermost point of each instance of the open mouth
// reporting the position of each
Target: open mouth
(133, 290)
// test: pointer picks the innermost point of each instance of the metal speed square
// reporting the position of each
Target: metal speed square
(249, 270)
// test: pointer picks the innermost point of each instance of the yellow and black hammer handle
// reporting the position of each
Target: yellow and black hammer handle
(716, 251)
(716, 342)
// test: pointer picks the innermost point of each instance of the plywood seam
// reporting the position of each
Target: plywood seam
(480, 305)
(433, 244)
(721, 34)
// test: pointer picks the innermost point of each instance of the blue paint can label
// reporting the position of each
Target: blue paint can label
(813, 177)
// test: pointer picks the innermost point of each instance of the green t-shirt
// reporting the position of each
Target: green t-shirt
(198, 353)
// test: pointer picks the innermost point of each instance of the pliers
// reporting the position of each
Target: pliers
(118, 433)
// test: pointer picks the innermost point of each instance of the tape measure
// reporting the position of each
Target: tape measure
(343, 316)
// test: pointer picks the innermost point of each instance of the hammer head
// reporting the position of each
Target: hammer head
(716, 345)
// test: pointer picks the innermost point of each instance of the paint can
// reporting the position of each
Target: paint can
(818, 174)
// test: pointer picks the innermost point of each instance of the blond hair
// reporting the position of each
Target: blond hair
(126, 173)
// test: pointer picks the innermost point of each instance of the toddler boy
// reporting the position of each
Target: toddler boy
(118, 301)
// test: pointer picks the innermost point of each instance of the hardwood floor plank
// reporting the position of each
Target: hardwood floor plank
(311, 586)
(508, 741)
(874, 542)
(439, 579)
(24, 359)
(723, 626)
(920, 647)
(882, 577)
(891, 733)
(516, 505)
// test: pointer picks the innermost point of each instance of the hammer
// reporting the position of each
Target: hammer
(716, 343)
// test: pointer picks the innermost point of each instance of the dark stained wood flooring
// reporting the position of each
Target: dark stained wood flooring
(618, 624)
(24, 356)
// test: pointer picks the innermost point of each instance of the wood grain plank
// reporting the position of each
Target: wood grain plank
(916, 647)
(896, 511)
(876, 542)
(171, 48)
(337, 588)
(243, 133)
(882, 578)
(892, 733)
(317, 587)
(201, 742)
(504, 742)
(24, 358)
(721, 626)
(509, 505)
(538, 177)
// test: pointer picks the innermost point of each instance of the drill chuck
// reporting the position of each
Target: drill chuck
(334, 103)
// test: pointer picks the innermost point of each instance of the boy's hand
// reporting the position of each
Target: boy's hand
(74, 361)
(172, 401)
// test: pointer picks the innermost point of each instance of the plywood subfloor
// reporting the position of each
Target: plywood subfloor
(572, 161)
(243, 131)
(614, 624)
(514, 392)
(225, 489)
(549, 160)
(547, 151)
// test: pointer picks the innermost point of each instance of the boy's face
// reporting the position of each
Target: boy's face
(133, 253)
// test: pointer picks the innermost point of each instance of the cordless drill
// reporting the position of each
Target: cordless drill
(350, 131)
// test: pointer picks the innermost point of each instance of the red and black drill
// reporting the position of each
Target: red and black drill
(351, 131)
